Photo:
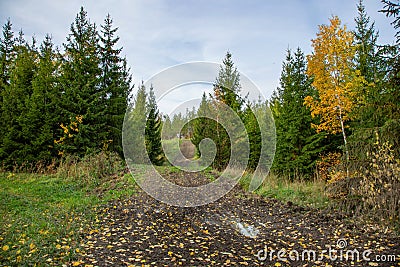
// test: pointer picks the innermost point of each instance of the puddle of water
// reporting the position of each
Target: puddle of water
(227, 219)
(248, 231)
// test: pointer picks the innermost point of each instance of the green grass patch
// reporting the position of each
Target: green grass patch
(304, 193)
(44, 216)
(171, 147)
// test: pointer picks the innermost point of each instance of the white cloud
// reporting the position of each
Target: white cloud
(156, 34)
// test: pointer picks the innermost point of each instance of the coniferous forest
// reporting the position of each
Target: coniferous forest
(62, 106)
(62, 102)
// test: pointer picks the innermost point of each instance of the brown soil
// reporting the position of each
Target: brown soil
(140, 231)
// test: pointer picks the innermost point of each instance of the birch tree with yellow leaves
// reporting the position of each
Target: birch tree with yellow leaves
(334, 77)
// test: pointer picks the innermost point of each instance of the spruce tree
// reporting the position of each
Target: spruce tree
(392, 9)
(167, 128)
(391, 60)
(227, 85)
(16, 147)
(153, 131)
(199, 124)
(44, 115)
(226, 92)
(7, 43)
(134, 128)
(177, 123)
(204, 127)
(369, 114)
(6, 56)
(82, 100)
(115, 85)
(298, 145)
(366, 37)
(254, 135)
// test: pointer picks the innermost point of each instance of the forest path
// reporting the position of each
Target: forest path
(239, 229)
(188, 152)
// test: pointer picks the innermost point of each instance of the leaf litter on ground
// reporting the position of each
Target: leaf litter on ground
(141, 231)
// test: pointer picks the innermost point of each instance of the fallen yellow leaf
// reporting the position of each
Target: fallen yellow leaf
(5, 248)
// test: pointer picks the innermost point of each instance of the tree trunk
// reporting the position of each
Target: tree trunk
(345, 141)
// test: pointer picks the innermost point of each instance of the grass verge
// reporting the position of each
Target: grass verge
(303, 193)
(44, 216)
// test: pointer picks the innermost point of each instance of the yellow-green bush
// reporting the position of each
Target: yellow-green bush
(374, 184)
(380, 182)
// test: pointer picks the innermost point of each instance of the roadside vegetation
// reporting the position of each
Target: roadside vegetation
(45, 215)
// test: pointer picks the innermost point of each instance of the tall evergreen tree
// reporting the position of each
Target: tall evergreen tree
(392, 9)
(16, 140)
(298, 145)
(199, 124)
(254, 135)
(227, 85)
(167, 128)
(365, 37)
(44, 115)
(391, 127)
(224, 102)
(134, 128)
(226, 92)
(177, 123)
(82, 99)
(153, 131)
(7, 42)
(115, 84)
(203, 127)
(369, 113)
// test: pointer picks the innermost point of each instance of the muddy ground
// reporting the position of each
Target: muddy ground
(240, 229)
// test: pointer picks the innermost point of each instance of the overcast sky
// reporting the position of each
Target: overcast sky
(157, 34)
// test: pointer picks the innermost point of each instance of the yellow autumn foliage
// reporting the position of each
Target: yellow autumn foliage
(69, 131)
(334, 76)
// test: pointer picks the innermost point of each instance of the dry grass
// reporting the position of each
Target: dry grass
(301, 192)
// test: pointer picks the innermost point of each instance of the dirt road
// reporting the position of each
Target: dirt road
(240, 229)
